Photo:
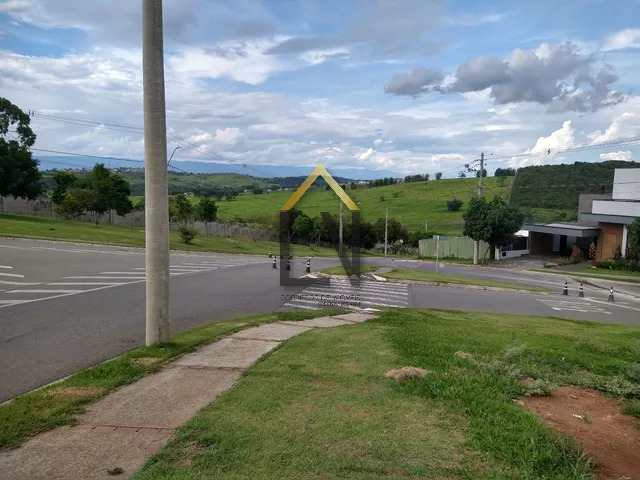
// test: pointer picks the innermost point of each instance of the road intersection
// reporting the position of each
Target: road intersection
(66, 306)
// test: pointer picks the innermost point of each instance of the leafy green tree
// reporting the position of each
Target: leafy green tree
(207, 212)
(438, 175)
(492, 222)
(633, 235)
(118, 195)
(62, 182)
(395, 230)
(181, 209)
(505, 172)
(19, 175)
(484, 173)
(367, 235)
(76, 202)
(303, 226)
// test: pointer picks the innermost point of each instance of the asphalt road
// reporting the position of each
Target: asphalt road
(65, 306)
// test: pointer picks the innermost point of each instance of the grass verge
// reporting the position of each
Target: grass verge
(57, 404)
(26, 226)
(339, 269)
(321, 407)
(631, 277)
(422, 276)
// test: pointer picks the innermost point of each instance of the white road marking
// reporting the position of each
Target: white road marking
(13, 302)
(6, 266)
(572, 305)
(16, 275)
(612, 304)
(24, 284)
(87, 283)
(93, 277)
(44, 291)
(119, 273)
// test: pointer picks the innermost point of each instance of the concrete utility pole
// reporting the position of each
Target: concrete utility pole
(340, 230)
(476, 244)
(155, 176)
(386, 224)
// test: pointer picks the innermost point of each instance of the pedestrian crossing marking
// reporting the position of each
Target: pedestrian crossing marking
(340, 293)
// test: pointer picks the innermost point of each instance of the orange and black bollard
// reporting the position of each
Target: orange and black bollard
(565, 290)
(309, 266)
(288, 264)
(581, 292)
(611, 295)
(274, 263)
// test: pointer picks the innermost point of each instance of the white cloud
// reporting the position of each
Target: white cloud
(367, 154)
(243, 61)
(627, 38)
(561, 139)
(625, 125)
(624, 156)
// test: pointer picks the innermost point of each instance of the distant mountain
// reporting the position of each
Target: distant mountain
(261, 171)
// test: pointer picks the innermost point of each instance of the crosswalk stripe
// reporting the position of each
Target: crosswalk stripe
(87, 283)
(94, 277)
(15, 275)
(12, 302)
(359, 293)
(44, 291)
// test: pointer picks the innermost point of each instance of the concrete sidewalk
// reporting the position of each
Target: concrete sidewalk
(119, 433)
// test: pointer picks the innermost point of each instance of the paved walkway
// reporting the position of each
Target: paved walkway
(119, 433)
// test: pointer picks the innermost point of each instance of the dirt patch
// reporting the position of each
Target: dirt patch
(77, 391)
(596, 422)
(146, 361)
(406, 373)
(465, 355)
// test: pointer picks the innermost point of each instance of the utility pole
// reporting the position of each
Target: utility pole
(155, 177)
(386, 224)
(476, 244)
(340, 230)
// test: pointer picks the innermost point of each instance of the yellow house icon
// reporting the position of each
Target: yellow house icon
(319, 170)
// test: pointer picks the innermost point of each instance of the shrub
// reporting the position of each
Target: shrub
(454, 205)
(620, 264)
(593, 252)
(187, 234)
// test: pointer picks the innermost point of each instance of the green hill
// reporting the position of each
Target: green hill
(550, 192)
(410, 203)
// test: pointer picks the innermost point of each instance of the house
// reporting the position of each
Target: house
(603, 219)
(614, 215)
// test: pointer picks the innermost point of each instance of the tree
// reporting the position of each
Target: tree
(394, 230)
(367, 236)
(494, 222)
(504, 172)
(484, 173)
(302, 226)
(633, 235)
(180, 209)
(207, 212)
(118, 194)
(438, 175)
(454, 205)
(461, 174)
(76, 202)
(62, 182)
(19, 175)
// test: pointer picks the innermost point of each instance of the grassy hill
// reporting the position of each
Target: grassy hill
(410, 203)
(550, 192)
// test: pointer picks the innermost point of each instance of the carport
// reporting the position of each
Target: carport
(554, 238)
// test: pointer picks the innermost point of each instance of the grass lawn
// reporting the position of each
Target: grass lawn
(339, 269)
(71, 231)
(463, 261)
(57, 404)
(411, 203)
(321, 407)
(421, 275)
(603, 273)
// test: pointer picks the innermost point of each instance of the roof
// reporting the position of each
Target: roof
(599, 217)
(569, 229)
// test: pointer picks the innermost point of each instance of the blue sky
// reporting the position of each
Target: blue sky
(406, 85)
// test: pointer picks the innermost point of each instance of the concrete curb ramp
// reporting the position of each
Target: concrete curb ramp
(119, 433)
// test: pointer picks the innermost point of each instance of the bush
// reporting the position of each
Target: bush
(454, 205)
(576, 254)
(620, 264)
(187, 234)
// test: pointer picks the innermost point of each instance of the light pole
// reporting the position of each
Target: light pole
(174, 151)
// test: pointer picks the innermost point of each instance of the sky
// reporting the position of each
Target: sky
(410, 86)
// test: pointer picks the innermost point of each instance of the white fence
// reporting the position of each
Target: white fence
(43, 207)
